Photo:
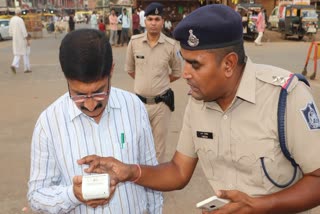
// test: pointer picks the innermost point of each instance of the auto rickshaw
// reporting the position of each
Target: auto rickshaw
(299, 20)
(5, 16)
(249, 13)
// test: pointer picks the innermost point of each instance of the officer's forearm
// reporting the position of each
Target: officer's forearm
(302, 196)
(173, 175)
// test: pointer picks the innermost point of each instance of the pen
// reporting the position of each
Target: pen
(122, 140)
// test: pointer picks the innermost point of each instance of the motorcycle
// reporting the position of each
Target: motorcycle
(50, 27)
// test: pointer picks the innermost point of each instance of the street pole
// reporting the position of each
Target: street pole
(103, 5)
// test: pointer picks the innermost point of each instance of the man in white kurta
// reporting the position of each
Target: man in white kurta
(94, 20)
(18, 31)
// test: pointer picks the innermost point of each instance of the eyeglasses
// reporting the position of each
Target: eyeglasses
(96, 96)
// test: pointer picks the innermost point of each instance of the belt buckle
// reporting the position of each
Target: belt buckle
(150, 100)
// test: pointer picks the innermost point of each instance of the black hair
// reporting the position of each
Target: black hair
(85, 55)
(220, 53)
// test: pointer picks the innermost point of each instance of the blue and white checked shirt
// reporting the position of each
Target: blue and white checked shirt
(63, 134)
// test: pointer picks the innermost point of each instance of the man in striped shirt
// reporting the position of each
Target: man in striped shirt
(92, 118)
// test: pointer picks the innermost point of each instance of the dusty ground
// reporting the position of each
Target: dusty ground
(275, 36)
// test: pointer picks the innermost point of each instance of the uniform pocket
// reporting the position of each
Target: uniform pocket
(208, 152)
(248, 162)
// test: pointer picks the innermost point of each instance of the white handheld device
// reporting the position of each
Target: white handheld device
(212, 203)
(95, 186)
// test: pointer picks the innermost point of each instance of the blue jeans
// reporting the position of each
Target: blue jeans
(124, 35)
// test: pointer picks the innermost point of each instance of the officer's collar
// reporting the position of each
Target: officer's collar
(247, 86)
(160, 40)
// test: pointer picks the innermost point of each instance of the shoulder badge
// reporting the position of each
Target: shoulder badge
(193, 41)
(276, 76)
(310, 115)
(280, 79)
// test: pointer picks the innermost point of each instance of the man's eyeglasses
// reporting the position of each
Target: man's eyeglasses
(96, 96)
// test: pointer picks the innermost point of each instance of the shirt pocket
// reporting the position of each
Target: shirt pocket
(248, 162)
(140, 60)
(207, 151)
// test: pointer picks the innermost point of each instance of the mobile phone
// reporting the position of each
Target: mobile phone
(95, 186)
(212, 203)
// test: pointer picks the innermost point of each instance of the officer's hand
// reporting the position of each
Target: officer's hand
(77, 189)
(118, 171)
(240, 203)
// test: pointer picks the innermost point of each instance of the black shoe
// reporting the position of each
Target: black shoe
(27, 71)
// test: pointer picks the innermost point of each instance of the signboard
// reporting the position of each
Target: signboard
(3, 3)
(121, 2)
(303, 2)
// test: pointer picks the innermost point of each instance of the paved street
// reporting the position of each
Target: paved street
(24, 96)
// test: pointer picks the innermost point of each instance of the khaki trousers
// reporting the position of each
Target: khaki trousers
(159, 117)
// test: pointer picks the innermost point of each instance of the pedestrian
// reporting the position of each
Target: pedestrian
(260, 25)
(135, 22)
(102, 27)
(142, 18)
(71, 23)
(18, 31)
(113, 21)
(168, 27)
(153, 62)
(94, 20)
(27, 55)
(91, 118)
(230, 125)
(124, 20)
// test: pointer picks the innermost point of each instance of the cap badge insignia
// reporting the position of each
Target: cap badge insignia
(156, 11)
(193, 41)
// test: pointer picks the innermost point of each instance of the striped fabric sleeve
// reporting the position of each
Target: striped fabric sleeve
(44, 195)
(148, 157)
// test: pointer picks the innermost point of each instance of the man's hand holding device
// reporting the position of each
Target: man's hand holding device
(93, 190)
(95, 186)
(212, 203)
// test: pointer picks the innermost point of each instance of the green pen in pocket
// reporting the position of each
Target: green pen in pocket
(122, 140)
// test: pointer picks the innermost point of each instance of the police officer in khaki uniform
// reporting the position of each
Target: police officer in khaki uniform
(230, 125)
(153, 61)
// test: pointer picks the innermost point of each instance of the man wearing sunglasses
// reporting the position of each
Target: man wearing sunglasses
(91, 118)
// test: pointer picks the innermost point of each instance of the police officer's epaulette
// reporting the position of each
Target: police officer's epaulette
(277, 77)
(137, 36)
(171, 41)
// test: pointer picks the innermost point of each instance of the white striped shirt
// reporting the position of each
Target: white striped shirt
(63, 134)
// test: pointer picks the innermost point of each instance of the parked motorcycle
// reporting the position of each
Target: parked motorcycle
(50, 27)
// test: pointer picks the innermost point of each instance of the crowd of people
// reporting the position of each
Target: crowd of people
(230, 122)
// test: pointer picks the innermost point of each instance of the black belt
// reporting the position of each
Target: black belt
(152, 100)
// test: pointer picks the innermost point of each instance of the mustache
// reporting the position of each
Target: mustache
(99, 105)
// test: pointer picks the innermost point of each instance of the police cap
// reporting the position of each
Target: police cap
(209, 27)
(154, 8)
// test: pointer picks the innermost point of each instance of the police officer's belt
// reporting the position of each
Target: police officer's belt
(153, 100)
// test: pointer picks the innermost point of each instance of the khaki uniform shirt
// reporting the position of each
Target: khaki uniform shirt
(247, 130)
(152, 66)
